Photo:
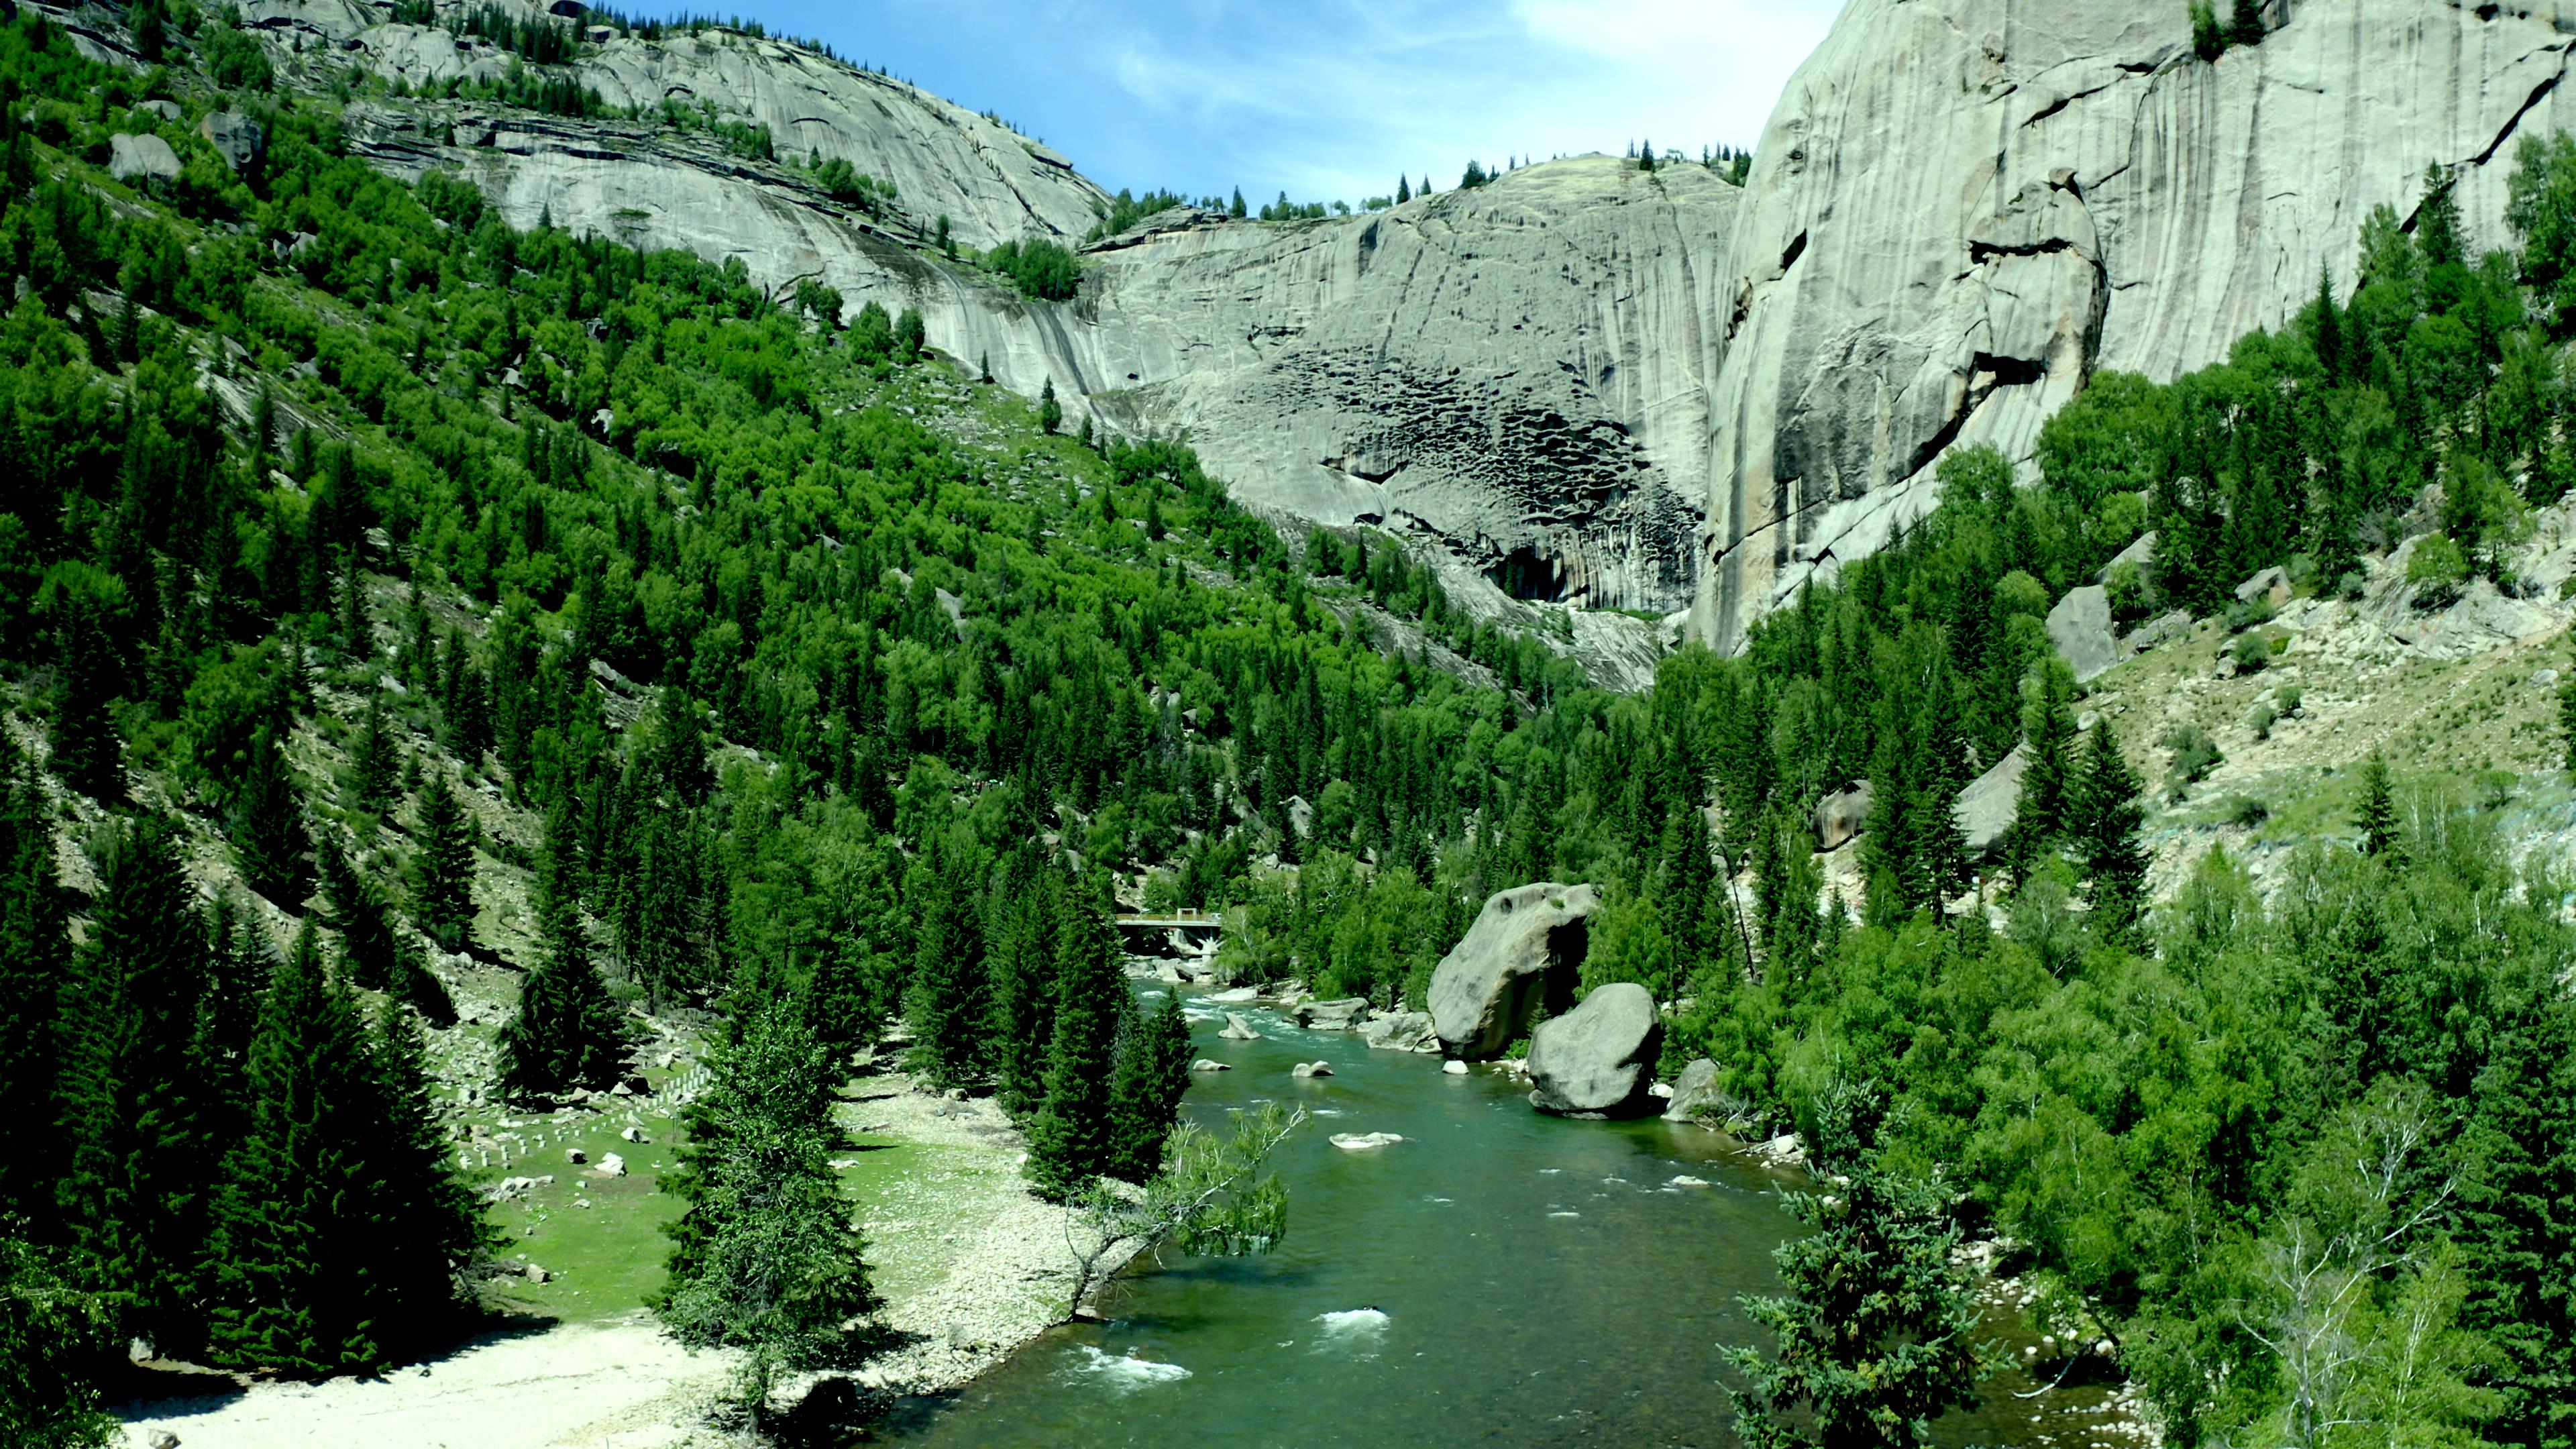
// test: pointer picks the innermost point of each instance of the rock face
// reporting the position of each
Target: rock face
(236, 137)
(1518, 962)
(1960, 208)
(141, 158)
(1598, 1059)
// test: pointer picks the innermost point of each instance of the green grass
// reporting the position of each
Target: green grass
(602, 1260)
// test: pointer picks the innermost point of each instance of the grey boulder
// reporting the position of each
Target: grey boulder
(1695, 1094)
(1238, 1029)
(236, 137)
(1398, 1031)
(1986, 809)
(1598, 1059)
(141, 158)
(1519, 961)
(2080, 627)
(1329, 1015)
(1841, 815)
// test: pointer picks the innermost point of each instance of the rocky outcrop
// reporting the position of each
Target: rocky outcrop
(1960, 208)
(141, 158)
(1986, 809)
(236, 137)
(2080, 626)
(1598, 1060)
(1519, 961)
(1842, 815)
(1328, 1015)
(1399, 1031)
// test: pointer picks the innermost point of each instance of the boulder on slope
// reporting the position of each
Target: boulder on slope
(141, 158)
(1986, 809)
(1694, 1094)
(1519, 961)
(1599, 1058)
(1841, 815)
(2080, 627)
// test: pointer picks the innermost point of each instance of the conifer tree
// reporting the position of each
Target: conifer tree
(375, 953)
(293, 1240)
(131, 1095)
(765, 1258)
(430, 1227)
(1020, 963)
(378, 761)
(1145, 1092)
(1403, 190)
(2109, 815)
(836, 1002)
(33, 949)
(442, 881)
(238, 965)
(565, 1033)
(2245, 27)
(270, 845)
(1071, 1142)
(1050, 412)
(2376, 816)
(86, 750)
(949, 1005)
(2329, 334)
(2042, 816)
(2440, 236)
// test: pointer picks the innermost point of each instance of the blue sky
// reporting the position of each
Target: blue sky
(1330, 99)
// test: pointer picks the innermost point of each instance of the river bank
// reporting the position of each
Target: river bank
(971, 1265)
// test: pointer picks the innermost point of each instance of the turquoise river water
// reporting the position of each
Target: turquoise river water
(1499, 1278)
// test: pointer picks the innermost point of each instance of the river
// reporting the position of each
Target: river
(1499, 1278)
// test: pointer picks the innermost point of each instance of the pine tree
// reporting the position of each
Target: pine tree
(2518, 1213)
(1237, 209)
(1403, 190)
(2376, 816)
(269, 841)
(375, 953)
(765, 1257)
(33, 949)
(836, 1002)
(2439, 233)
(1145, 1092)
(442, 880)
(429, 1225)
(2245, 27)
(131, 1095)
(2109, 815)
(565, 1033)
(294, 1242)
(1071, 1141)
(1050, 412)
(949, 1005)
(2329, 335)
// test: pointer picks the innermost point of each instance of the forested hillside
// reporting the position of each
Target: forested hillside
(846, 692)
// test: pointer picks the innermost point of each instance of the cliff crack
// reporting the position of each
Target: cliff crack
(2538, 94)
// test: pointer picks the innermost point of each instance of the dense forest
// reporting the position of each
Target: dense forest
(326, 500)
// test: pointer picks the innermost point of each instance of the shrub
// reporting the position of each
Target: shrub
(2437, 569)
(2195, 754)
(2247, 812)
(1040, 269)
(2253, 651)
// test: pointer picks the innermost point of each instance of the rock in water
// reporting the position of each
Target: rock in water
(2080, 627)
(1311, 1069)
(1695, 1094)
(1329, 1015)
(141, 158)
(1398, 1031)
(1519, 961)
(1364, 1141)
(1598, 1059)
(1237, 1029)
(1454, 1067)
(1206, 1064)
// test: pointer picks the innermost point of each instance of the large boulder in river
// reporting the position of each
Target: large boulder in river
(1329, 1015)
(1519, 961)
(1598, 1060)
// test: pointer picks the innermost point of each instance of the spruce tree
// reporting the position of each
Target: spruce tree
(565, 1033)
(949, 1004)
(86, 750)
(378, 759)
(2042, 816)
(430, 1226)
(1145, 1092)
(442, 871)
(294, 1237)
(376, 953)
(1020, 962)
(1403, 190)
(2376, 816)
(765, 1257)
(2245, 27)
(2329, 333)
(2109, 816)
(269, 842)
(131, 1095)
(836, 1001)
(1050, 412)
(2518, 1212)
(33, 949)
(1071, 1141)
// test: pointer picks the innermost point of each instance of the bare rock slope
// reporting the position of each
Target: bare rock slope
(1961, 208)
